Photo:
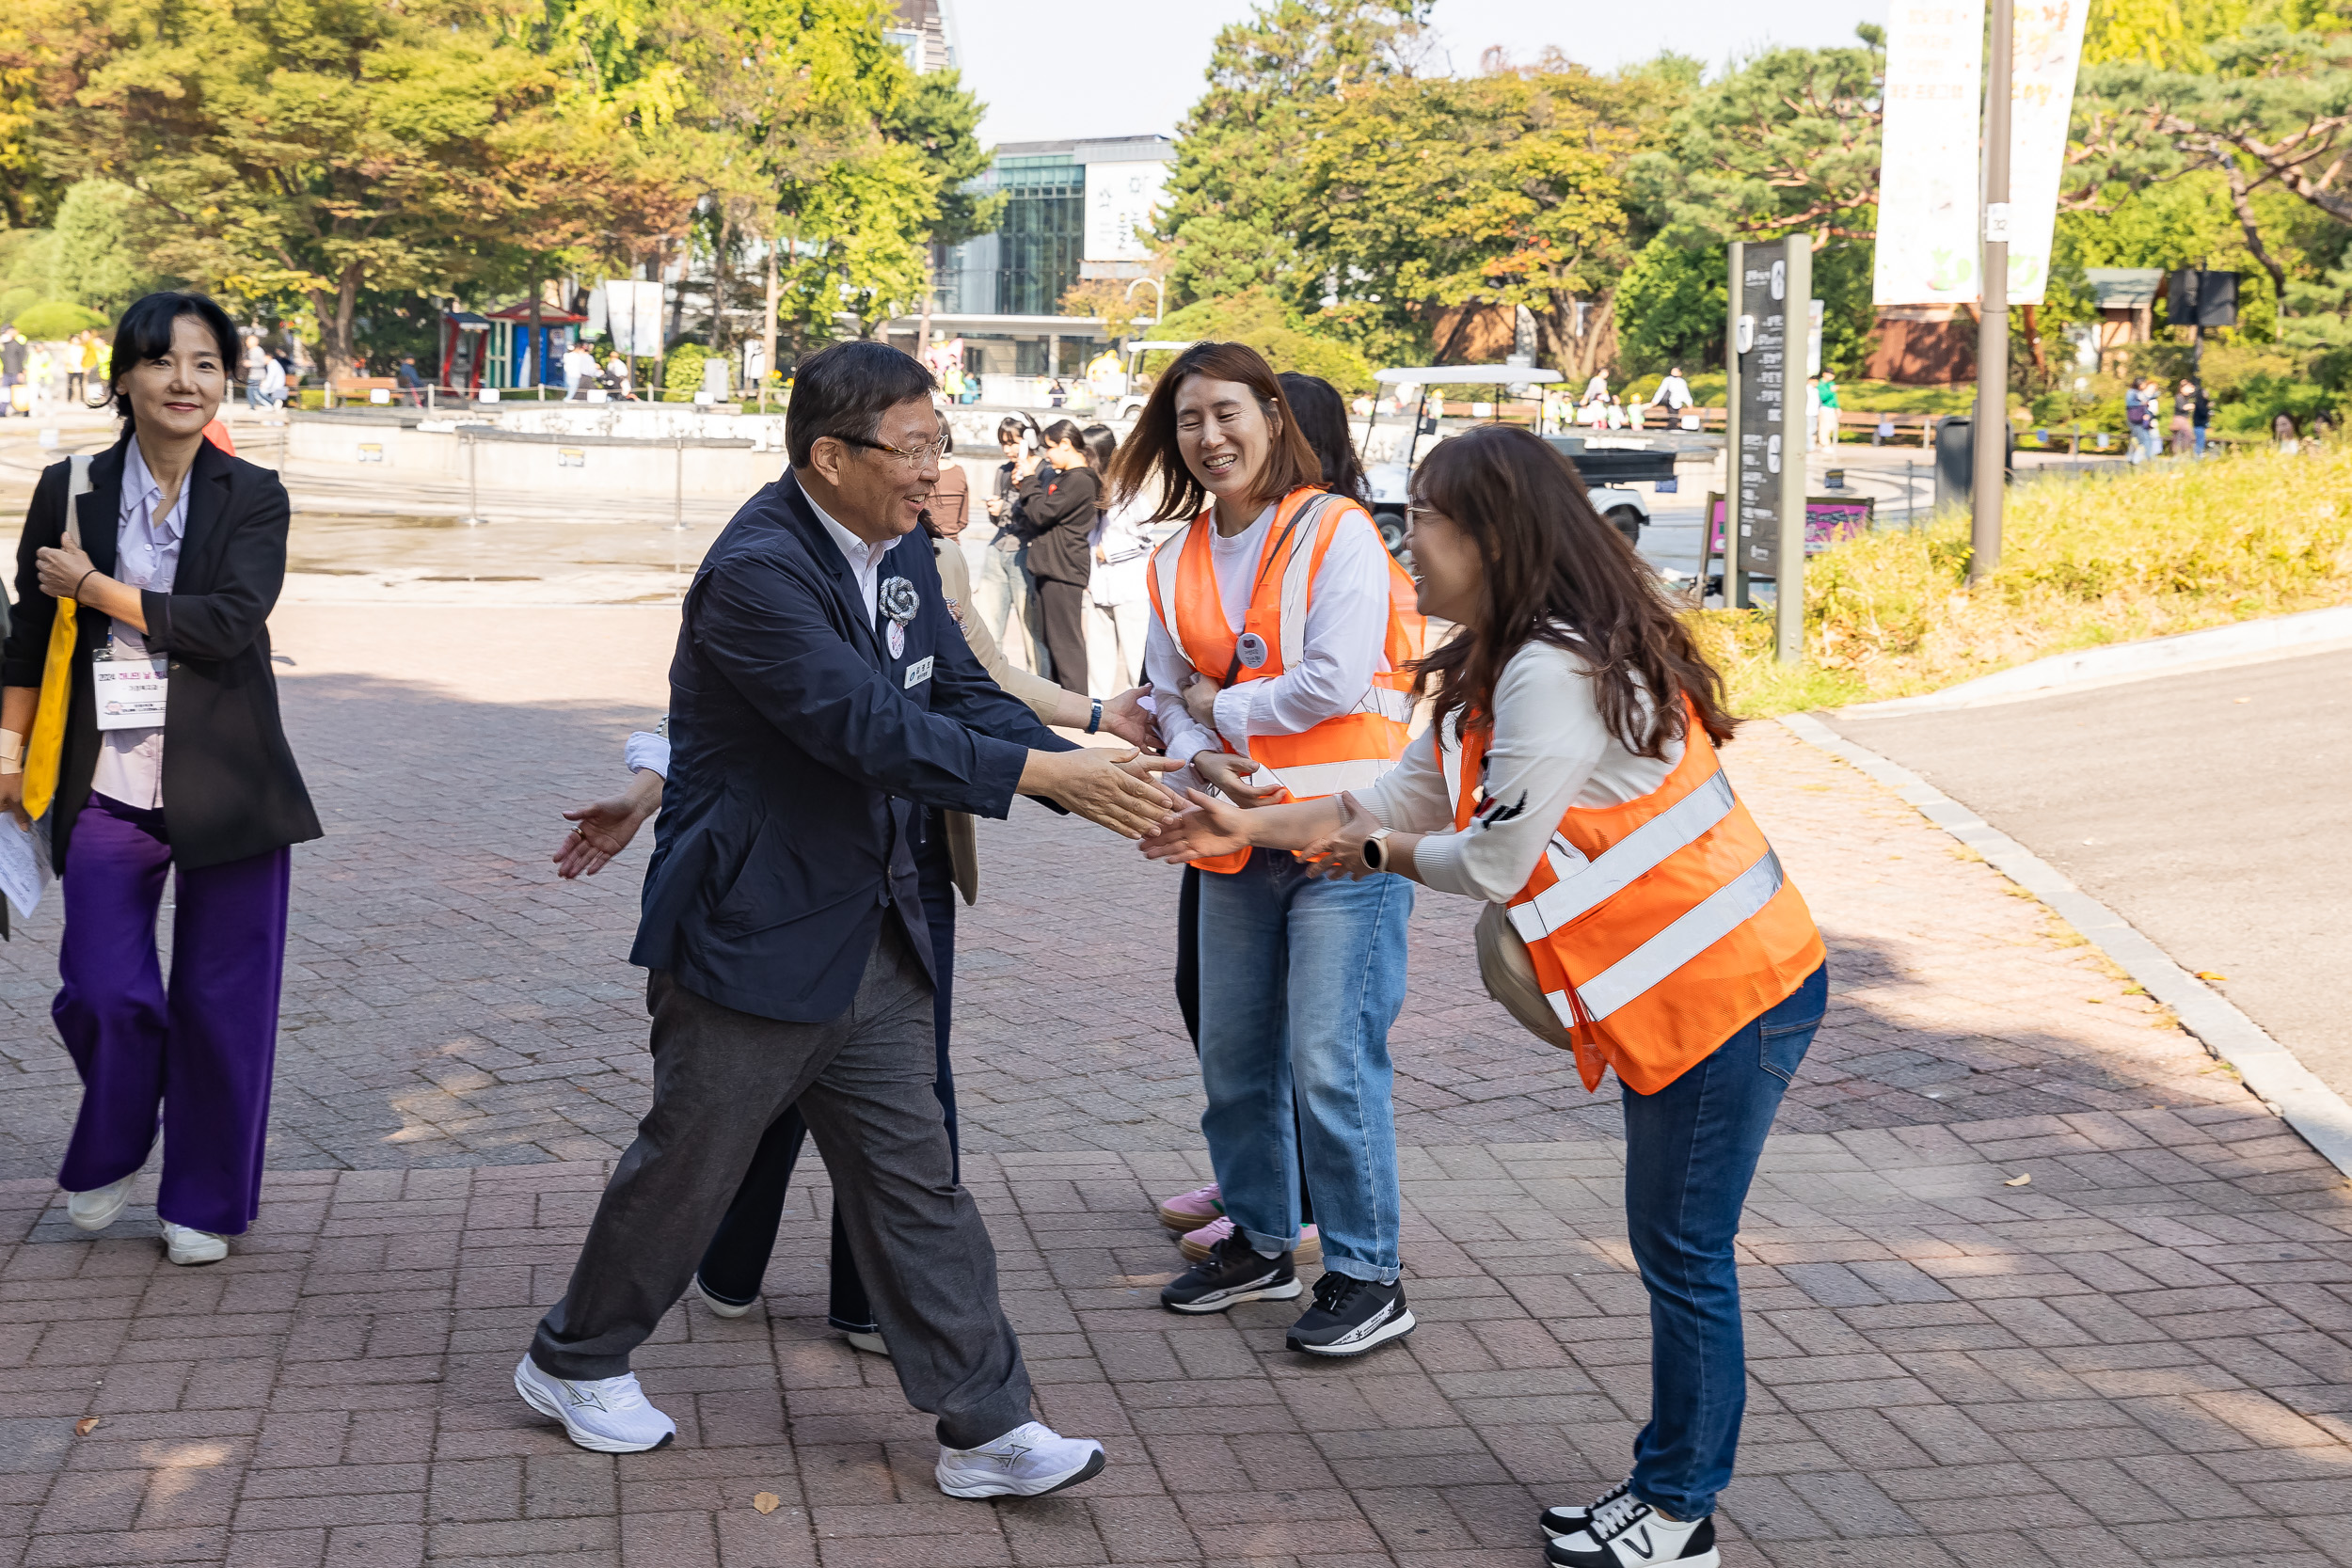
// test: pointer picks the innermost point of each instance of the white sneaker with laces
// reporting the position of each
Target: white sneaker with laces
(1567, 1520)
(186, 1245)
(1627, 1532)
(607, 1414)
(1028, 1462)
(96, 1208)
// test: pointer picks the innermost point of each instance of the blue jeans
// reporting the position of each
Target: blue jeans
(1300, 980)
(1690, 1151)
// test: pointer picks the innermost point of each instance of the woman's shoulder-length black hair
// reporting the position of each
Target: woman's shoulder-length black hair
(144, 333)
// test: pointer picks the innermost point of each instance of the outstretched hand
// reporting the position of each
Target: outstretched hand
(1112, 787)
(603, 830)
(1210, 827)
(1125, 717)
(1342, 853)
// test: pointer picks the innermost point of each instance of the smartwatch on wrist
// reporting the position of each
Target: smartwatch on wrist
(1376, 852)
(1094, 721)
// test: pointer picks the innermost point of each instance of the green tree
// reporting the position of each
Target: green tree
(1260, 319)
(1505, 189)
(100, 259)
(1671, 303)
(1235, 195)
(1786, 143)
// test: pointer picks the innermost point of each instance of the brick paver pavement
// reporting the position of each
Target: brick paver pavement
(2142, 1355)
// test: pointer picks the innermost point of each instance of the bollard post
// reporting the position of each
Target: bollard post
(678, 508)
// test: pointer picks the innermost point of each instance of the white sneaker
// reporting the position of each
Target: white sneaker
(721, 1307)
(1567, 1520)
(96, 1210)
(186, 1245)
(870, 1343)
(1028, 1462)
(1627, 1532)
(607, 1414)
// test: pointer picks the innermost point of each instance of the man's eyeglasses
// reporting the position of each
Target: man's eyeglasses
(913, 457)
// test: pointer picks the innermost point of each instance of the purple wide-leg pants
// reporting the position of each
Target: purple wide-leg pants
(204, 1048)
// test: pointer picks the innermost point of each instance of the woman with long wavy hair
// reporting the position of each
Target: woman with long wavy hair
(1635, 913)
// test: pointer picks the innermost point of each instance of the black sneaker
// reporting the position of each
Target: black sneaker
(1627, 1532)
(1350, 1316)
(1557, 1522)
(1232, 1273)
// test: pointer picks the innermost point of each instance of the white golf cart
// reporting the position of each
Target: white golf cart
(1390, 481)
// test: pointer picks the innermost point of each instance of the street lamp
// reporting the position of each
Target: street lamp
(1158, 293)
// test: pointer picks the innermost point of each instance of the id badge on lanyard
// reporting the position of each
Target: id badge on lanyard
(131, 690)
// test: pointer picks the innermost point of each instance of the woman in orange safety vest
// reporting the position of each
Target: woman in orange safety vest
(1279, 653)
(1636, 914)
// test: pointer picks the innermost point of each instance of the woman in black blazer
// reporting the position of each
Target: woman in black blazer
(181, 552)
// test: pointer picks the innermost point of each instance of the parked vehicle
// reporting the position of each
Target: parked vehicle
(1131, 400)
(1608, 464)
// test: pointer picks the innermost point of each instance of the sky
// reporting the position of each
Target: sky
(1114, 68)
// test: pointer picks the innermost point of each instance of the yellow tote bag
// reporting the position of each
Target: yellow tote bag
(44, 750)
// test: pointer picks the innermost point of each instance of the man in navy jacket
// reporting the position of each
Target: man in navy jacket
(820, 699)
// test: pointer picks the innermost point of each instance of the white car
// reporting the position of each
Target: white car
(1623, 508)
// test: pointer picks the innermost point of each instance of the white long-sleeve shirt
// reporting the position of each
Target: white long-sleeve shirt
(1550, 750)
(1346, 642)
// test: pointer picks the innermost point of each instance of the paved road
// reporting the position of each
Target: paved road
(2142, 1355)
(2210, 809)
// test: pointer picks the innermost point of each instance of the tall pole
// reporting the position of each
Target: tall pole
(1735, 579)
(1991, 434)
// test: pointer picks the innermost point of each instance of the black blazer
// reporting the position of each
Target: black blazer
(231, 786)
(1056, 512)
(802, 754)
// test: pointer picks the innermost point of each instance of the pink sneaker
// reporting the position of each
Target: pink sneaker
(1196, 1245)
(1193, 1210)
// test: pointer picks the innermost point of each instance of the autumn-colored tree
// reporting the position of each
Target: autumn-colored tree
(323, 149)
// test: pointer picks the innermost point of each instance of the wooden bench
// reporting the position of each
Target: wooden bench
(359, 387)
(1866, 424)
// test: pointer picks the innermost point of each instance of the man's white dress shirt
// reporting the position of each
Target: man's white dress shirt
(864, 560)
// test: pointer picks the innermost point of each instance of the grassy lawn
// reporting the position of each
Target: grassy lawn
(2101, 559)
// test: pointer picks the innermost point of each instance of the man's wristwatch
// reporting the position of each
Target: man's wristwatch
(1376, 852)
(1094, 721)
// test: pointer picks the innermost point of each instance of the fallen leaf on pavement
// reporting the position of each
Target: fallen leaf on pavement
(2209, 975)
(2024, 1181)
(87, 1425)
(767, 1502)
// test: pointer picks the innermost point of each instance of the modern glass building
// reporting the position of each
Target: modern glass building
(1042, 239)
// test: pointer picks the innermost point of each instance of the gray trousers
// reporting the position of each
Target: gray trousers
(864, 1085)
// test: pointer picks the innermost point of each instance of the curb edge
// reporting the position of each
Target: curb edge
(2268, 1070)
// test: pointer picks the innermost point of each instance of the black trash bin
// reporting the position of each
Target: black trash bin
(1956, 461)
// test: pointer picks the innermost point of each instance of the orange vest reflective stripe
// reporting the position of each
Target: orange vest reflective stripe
(1657, 927)
(1348, 751)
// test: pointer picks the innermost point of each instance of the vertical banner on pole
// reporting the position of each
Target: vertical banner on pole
(1766, 440)
(2048, 54)
(1929, 187)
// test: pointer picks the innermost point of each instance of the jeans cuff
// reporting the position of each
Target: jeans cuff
(1357, 1269)
(1265, 1242)
(839, 1326)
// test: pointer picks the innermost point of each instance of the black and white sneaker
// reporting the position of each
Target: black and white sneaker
(1557, 1522)
(1351, 1316)
(1232, 1273)
(1627, 1532)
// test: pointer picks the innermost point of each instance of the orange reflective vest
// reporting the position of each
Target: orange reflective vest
(1658, 928)
(1348, 751)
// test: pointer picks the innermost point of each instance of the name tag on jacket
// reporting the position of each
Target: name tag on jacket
(918, 671)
